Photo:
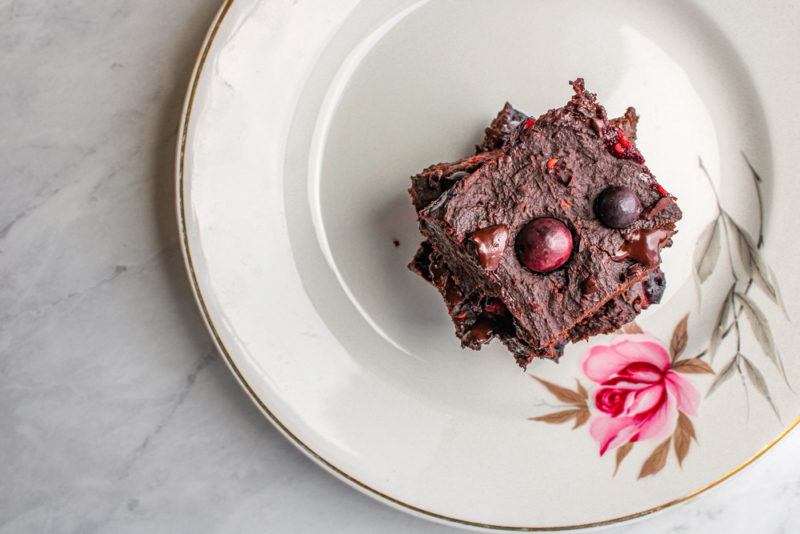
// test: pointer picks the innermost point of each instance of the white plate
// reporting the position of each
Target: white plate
(301, 127)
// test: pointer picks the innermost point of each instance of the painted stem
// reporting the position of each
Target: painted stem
(759, 244)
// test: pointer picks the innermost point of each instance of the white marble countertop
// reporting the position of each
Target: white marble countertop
(116, 414)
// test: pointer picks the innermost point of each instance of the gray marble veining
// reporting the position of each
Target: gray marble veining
(116, 414)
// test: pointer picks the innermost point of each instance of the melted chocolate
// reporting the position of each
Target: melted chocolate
(483, 330)
(643, 247)
(491, 243)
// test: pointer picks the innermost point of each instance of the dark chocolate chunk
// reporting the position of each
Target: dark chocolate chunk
(482, 331)
(643, 246)
(491, 243)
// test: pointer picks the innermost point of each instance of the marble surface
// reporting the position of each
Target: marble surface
(116, 414)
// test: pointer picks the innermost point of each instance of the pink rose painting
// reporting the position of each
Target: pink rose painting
(639, 393)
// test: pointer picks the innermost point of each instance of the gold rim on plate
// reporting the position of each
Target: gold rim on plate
(184, 240)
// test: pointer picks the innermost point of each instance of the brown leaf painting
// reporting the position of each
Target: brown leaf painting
(680, 338)
(581, 390)
(632, 328)
(581, 417)
(561, 393)
(692, 366)
(656, 461)
(622, 452)
(557, 418)
(683, 436)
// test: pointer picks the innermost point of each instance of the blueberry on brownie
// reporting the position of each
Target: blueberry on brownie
(550, 233)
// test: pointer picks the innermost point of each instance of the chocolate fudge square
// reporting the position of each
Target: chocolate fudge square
(477, 322)
(579, 176)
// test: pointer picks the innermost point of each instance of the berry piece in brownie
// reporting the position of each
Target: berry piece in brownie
(555, 168)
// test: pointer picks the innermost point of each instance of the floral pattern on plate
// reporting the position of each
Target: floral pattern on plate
(638, 393)
(638, 390)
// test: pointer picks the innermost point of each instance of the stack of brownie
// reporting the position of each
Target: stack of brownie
(550, 233)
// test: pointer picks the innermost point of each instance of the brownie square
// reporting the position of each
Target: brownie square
(555, 166)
